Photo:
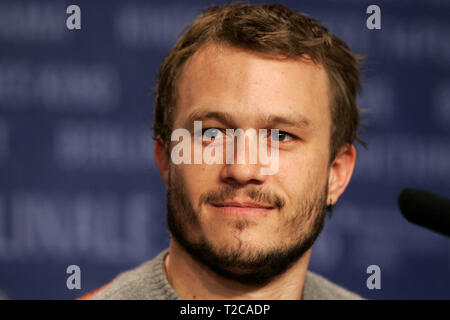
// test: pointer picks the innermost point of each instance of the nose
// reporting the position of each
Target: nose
(242, 170)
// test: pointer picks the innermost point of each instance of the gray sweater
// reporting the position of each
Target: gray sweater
(148, 282)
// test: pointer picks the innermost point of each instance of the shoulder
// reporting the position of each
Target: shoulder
(145, 282)
(317, 287)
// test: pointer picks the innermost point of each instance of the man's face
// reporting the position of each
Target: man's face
(252, 245)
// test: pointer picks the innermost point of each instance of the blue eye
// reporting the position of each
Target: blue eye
(280, 136)
(211, 133)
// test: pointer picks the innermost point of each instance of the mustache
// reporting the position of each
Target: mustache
(229, 193)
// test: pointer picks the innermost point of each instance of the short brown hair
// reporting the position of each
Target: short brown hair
(269, 29)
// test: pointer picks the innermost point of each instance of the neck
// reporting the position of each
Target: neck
(192, 280)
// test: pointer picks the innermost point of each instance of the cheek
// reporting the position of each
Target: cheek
(291, 176)
(302, 172)
(198, 179)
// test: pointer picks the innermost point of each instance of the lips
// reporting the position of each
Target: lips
(248, 209)
(241, 205)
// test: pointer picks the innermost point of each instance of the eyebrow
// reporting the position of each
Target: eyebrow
(297, 120)
(226, 118)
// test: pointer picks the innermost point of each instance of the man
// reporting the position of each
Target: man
(237, 233)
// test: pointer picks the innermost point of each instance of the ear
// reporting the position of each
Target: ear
(341, 171)
(162, 160)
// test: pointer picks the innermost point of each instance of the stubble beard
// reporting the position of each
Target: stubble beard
(243, 263)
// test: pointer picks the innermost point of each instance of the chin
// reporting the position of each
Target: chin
(238, 231)
(245, 244)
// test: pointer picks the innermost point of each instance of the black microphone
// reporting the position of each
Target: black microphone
(426, 209)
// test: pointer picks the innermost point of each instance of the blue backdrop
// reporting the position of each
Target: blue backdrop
(78, 184)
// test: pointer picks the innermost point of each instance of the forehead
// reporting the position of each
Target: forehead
(246, 84)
